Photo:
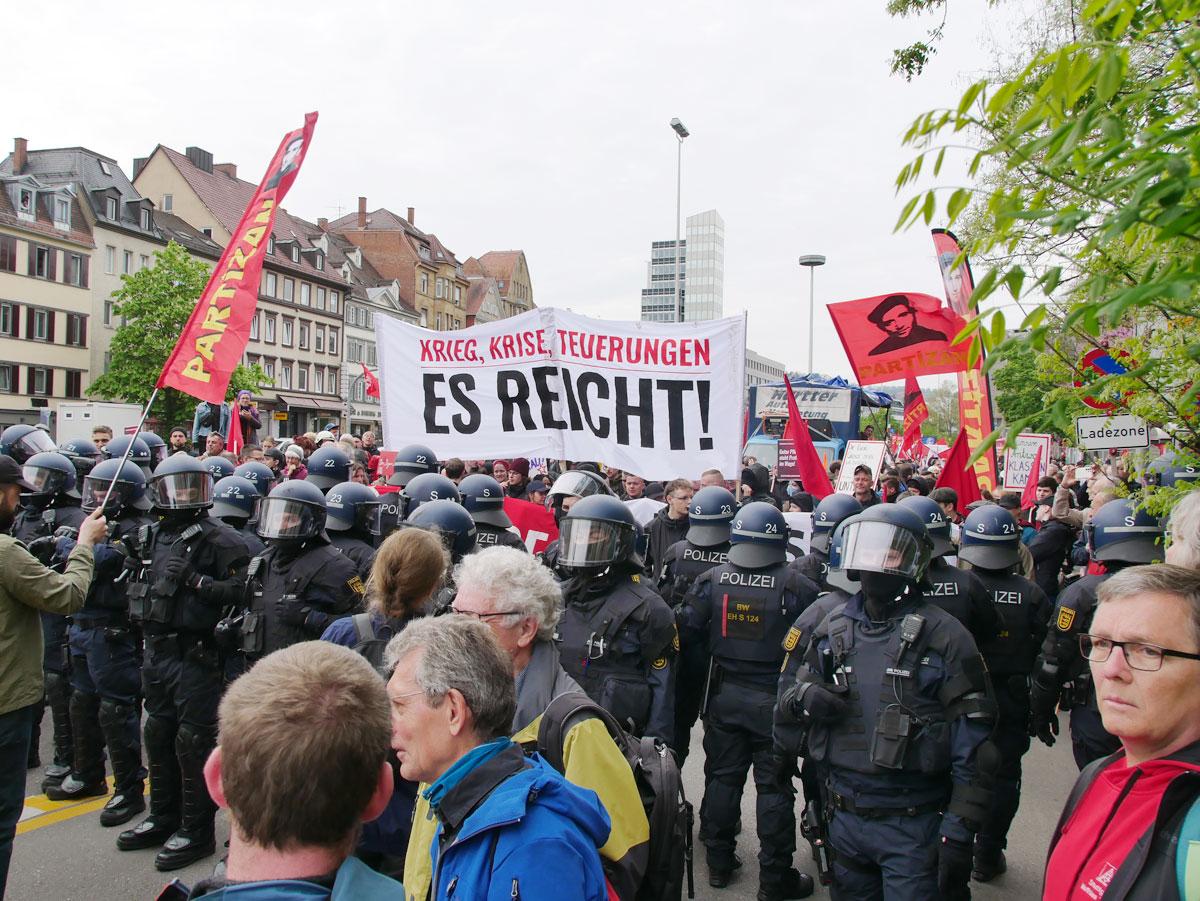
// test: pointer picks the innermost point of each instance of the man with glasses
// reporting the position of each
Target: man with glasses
(1130, 828)
(670, 524)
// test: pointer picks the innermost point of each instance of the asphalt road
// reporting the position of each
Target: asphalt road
(65, 855)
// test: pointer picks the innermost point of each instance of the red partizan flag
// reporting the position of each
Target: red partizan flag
(234, 442)
(812, 471)
(915, 413)
(215, 337)
(958, 475)
(372, 382)
(1029, 495)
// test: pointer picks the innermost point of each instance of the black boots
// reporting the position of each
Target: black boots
(195, 839)
(119, 723)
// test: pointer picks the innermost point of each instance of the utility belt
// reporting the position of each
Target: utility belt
(182, 644)
(847, 805)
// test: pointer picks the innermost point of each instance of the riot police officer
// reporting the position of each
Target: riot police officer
(352, 522)
(218, 467)
(484, 499)
(426, 487)
(23, 441)
(896, 703)
(52, 507)
(158, 447)
(186, 568)
(1119, 535)
(989, 541)
(106, 680)
(566, 490)
(259, 474)
(705, 546)
(826, 516)
(412, 460)
(83, 454)
(235, 503)
(740, 611)
(328, 466)
(301, 583)
(139, 454)
(450, 520)
(616, 636)
(957, 591)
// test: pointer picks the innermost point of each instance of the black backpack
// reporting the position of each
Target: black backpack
(370, 645)
(659, 783)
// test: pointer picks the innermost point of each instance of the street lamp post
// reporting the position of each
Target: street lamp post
(812, 261)
(681, 132)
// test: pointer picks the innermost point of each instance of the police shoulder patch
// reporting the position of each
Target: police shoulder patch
(791, 639)
(636, 579)
(356, 585)
(1066, 617)
(660, 663)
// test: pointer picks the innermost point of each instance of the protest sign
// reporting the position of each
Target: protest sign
(1019, 458)
(860, 453)
(1112, 432)
(799, 534)
(662, 400)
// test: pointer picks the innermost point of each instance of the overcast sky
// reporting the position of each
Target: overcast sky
(541, 126)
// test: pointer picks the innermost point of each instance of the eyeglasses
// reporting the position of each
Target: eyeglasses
(484, 616)
(1145, 657)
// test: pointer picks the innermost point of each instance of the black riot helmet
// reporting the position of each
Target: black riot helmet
(597, 532)
(218, 467)
(709, 515)
(428, 486)
(886, 539)
(577, 483)
(258, 473)
(412, 460)
(484, 499)
(1121, 533)
(23, 441)
(1169, 470)
(328, 466)
(936, 523)
(181, 483)
(828, 514)
(352, 507)
(294, 509)
(759, 536)
(450, 520)
(158, 448)
(129, 490)
(235, 498)
(49, 473)
(990, 538)
(82, 454)
(140, 454)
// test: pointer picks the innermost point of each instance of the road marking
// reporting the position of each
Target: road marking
(40, 811)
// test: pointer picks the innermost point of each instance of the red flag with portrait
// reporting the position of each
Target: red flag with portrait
(900, 334)
(915, 413)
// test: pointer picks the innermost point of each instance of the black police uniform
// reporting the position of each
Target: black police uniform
(741, 616)
(1023, 608)
(32, 523)
(254, 544)
(487, 535)
(682, 565)
(814, 566)
(188, 568)
(360, 552)
(961, 594)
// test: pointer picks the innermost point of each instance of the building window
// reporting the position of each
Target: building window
(424, 251)
(295, 253)
(319, 262)
(110, 208)
(305, 294)
(302, 378)
(41, 329)
(319, 338)
(332, 379)
(62, 213)
(333, 341)
(270, 281)
(145, 220)
(110, 260)
(319, 380)
(76, 330)
(269, 368)
(269, 337)
(143, 262)
(8, 319)
(40, 380)
(42, 261)
(289, 290)
(458, 294)
(109, 312)
(8, 253)
(439, 322)
(127, 262)
(77, 270)
(168, 203)
(271, 244)
(424, 283)
(285, 375)
(371, 361)
(320, 298)
(9, 380)
(74, 384)
(438, 288)
(254, 326)
(303, 342)
(288, 327)
(333, 301)
(206, 231)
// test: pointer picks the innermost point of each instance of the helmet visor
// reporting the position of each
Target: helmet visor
(182, 491)
(43, 479)
(883, 548)
(36, 442)
(576, 484)
(95, 489)
(590, 542)
(283, 517)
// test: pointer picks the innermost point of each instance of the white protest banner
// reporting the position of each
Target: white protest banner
(860, 453)
(799, 534)
(833, 404)
(1018, 459)
(663, 400)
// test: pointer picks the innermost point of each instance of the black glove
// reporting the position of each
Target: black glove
(43, 549)
(954, 870)
(179, 570)
(132, 565)
(1043, 721)
(291, 613)
(66, 532)
(1044, 727)
(818, 701)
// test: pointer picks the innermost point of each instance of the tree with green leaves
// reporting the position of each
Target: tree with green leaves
(155, 304)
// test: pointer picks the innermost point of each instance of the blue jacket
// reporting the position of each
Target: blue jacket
(535, 836)
(355, 881)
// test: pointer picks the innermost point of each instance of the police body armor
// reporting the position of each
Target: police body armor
(815, 566)
(601, 648)
(1023, 609)
(492, 536)
(315, 579)
(684, 563)
(32, 523)
(751, 612)
(107, 599)
(361, 553)
(1061, 660)
(960, 593)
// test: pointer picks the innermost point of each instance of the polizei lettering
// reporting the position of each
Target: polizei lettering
(1007, 597)
(944, 589)
(747, 580)
(716, 558)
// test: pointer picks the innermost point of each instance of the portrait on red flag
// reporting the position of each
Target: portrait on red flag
(897, 334)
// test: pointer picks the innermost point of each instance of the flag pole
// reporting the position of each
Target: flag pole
(128, 449)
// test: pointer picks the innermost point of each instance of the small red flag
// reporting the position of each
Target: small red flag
(234, 441)
(808, 461)
(958, 475)
(915, 413)
(1029, 495)
(372, 382)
